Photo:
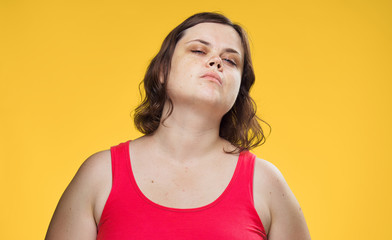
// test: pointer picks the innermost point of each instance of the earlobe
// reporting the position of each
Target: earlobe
(161, 78)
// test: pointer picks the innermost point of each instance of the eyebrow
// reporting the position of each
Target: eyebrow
(230, 50)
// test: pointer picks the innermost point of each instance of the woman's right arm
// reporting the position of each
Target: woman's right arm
(74, 216)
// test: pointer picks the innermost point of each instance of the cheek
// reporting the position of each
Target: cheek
(180, 76)
(236, 84)
(182, 69)
(234, 90)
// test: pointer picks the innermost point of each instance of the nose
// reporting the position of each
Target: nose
(215, 61)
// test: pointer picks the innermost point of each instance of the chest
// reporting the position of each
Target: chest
(183, 185)
(159, 202)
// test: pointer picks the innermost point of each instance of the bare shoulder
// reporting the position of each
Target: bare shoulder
(93, 174)
(95, 167)
(270, 178)
(75, 215)
(276, 203)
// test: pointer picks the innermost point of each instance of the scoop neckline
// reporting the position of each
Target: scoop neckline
(157, 205)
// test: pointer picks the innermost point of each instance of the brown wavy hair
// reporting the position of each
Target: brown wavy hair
(240, 125)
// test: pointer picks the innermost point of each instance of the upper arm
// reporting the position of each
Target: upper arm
(286, 218)
(74, 215)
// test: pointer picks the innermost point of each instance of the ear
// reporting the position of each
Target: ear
(161, 80)
(161, 77)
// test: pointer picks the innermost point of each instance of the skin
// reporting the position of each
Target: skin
(186, 153)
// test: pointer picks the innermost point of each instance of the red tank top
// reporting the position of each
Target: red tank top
(129, 214)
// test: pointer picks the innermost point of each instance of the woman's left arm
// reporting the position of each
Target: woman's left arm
(286, 218)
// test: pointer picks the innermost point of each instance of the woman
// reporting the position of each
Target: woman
(191, 175)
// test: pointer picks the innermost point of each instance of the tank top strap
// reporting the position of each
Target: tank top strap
(120, 165)
(243, 186)
(120, 182)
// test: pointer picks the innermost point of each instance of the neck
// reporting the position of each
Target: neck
(187, 134)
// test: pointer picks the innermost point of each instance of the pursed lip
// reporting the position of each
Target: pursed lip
(214, 76)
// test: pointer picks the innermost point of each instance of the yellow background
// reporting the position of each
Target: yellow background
(69, 73)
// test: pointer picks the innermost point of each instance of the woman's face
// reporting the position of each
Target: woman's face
(206, 68)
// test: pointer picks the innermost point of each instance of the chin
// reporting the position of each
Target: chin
(211, 102)
(209, 96)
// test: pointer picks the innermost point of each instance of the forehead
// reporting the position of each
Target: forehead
(219, 35)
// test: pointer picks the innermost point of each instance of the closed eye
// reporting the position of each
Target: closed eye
(231, 62)
(198, 51)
